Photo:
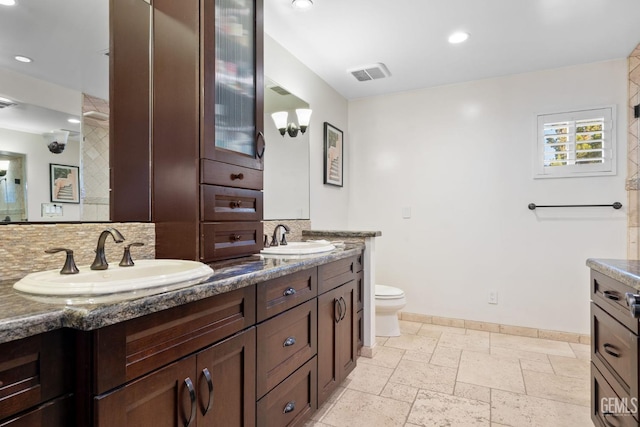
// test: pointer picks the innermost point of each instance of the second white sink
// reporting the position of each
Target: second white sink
(145, 274)
(300, 248)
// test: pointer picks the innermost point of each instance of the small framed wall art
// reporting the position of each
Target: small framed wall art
(333, 155)
(65, 183)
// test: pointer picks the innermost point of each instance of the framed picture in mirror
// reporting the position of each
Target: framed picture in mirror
(333, 155)
(65, 183)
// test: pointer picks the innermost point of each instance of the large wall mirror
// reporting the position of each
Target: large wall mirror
(54, 111)
(286, 160)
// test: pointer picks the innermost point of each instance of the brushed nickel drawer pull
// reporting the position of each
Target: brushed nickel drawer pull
(607, 349)
(290, 407)
(192, 397)
(288, 292)
(611, 295)
(289, 342)
(207, 377)
(235, 176)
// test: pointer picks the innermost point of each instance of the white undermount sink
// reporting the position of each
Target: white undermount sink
(145, 274)
(299, 248)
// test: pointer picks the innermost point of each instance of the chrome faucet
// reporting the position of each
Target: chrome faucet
(100, 262)
(274, 239)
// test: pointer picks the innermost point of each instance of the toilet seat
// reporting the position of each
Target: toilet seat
(384, 292)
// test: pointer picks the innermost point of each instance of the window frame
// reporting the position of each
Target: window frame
(606, 168)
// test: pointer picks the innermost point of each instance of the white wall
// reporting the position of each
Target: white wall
(329, 204)
(38, 158)
(461, 157)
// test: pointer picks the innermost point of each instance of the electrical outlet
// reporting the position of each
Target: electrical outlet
(493, 297)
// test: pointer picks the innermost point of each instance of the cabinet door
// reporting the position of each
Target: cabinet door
(166, 397)
(233, 82)
(227, 382)
(337, 338)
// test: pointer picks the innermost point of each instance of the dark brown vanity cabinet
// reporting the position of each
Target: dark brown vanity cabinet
(198, 173)
(337, 325)
(36, 381)
(614, 354)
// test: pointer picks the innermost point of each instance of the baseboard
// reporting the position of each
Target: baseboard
(497, 327)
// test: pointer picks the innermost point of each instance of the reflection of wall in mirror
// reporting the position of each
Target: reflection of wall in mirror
(95, 160)
(12, 189)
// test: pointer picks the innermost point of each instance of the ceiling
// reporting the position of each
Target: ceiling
(410, 38)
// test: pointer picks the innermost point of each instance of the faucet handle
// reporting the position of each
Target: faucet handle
(127, 261)
(266, 241)
(69, 264)
(283, 242)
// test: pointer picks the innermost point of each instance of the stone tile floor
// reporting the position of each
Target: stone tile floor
(437, 376)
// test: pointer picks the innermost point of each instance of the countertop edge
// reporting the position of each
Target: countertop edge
(341, 233)
(228, 277)
(624, 271)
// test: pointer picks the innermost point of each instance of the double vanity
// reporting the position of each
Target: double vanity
(263, 341)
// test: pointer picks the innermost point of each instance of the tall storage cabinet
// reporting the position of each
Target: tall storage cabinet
(206, 144)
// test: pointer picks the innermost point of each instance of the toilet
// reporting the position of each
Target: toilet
(389, 301)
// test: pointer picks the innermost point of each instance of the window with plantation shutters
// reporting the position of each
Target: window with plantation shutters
(576, 143)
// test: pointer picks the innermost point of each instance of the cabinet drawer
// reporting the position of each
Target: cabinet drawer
(284, 343)
(608, 408)
(127, 350)
(34, 370)
(229, 204)
(277, 295)
(229, 240)
(614, 350)
(609, 294)
(56, 413)
(293, 401)
(336, 273)
(227, 175)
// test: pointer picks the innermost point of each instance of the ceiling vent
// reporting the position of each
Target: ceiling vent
(280, 90)
(370, 72)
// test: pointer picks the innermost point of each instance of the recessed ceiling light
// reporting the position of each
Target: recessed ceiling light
(7, 2)
(74, 121)
(21, 58)
(302, 4)
(458, 37)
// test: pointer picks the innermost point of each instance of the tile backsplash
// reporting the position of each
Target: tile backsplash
(23, 245)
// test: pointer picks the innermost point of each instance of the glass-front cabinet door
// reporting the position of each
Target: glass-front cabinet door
(232, 82)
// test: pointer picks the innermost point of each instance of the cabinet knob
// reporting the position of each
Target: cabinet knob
(235, 176)
(192, 396)
(235, 204)
(235, 237)
(207, 377)
(289, 342)
(289, 407)
(288, 292)
(633, 301)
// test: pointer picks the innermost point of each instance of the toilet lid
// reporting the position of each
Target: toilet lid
(388, 292)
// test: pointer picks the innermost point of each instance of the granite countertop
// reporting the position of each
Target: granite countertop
(21, 316)
(623, 270)
(342, 234)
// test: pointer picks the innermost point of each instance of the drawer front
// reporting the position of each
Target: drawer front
(230, 240)
(293, 401)
(609, 408)
(614, 350)
(285, 343)
(56, 413)
(230, 204)
(130, 349)
(277, 295)
(34, 370)
(227, 175)
(335, 274)
(609, 294)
